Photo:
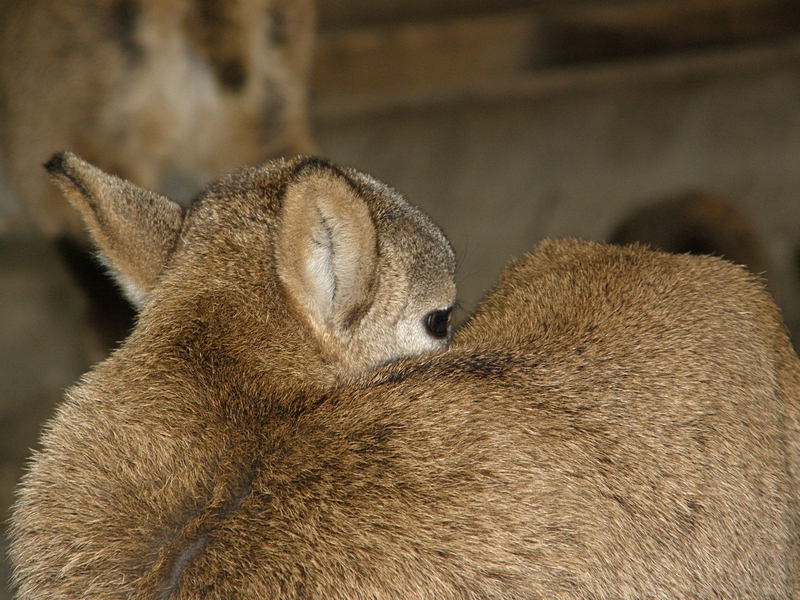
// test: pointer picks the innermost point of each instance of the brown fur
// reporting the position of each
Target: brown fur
(612, 423)
(167, 93)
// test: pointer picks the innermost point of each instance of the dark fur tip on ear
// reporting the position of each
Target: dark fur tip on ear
(55, 166)
(62, 168)
(305, 163)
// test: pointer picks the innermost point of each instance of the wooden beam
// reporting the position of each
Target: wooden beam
(567, 80)
(430, 54)
(502, 53)
(602, 31)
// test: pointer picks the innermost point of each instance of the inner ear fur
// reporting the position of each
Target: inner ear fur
(135, 229)
(326, 252)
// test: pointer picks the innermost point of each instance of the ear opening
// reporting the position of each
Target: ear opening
(327, 251)
(136, 230)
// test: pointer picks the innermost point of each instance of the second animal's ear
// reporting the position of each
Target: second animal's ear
(326, 251)
(136, 230)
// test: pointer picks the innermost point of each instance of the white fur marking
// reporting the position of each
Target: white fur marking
(320, 268)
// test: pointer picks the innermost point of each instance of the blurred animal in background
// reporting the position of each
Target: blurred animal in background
(698, 223)
(165, 93)
(611, 423)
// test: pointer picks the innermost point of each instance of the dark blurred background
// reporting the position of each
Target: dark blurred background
(675, 122)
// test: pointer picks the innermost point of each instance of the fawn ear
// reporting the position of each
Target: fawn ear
(136, 230)
(326, 251)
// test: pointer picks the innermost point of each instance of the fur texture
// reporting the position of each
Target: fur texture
(611, 423)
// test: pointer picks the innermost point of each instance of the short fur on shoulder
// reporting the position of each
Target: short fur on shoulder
(611, 423)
